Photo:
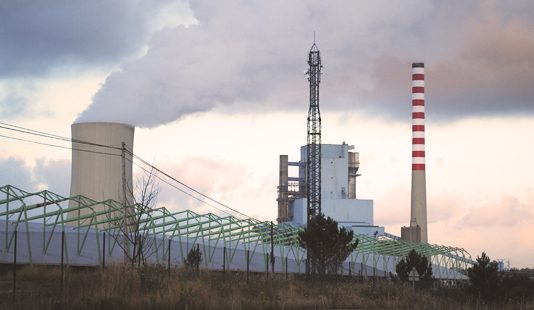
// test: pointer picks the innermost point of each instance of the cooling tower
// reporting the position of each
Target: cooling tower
(97, 171)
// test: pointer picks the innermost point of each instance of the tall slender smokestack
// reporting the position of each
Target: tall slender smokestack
(418, 205)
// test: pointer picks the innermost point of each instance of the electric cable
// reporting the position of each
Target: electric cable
(185, 185)
(177, 188)
(58, 146)
(29, 131)
(52, 136)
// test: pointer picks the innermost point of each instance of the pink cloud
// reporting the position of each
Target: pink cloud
(513, 243)
(393, 207)
(222, 180)
(507, 212)
(503, 229)
(443, 207)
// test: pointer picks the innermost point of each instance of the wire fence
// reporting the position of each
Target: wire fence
(74, 248)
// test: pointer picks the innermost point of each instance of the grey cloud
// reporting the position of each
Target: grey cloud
(477, 60)
(38, 36)
(11, 106)
(54, 174)
(15, 98)
(15, 172)
(250, 55)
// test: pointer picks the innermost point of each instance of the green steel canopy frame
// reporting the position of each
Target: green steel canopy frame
(19, 208)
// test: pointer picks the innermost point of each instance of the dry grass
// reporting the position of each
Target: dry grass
(122, 288)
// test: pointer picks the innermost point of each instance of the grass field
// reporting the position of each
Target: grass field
(119, 287)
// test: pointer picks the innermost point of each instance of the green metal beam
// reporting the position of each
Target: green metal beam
(107, 215)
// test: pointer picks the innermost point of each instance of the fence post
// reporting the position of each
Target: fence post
(62, 254)
(224, 260)
(104, 251)
(15, 267)
(267, 265)
(169, 258)
(272, 248)
(286, 268)
(248, 262)
(198, 260)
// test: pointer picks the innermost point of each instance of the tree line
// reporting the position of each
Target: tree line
(329, 245)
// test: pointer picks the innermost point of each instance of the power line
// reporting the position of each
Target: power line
(179, 189)
(185, 185)
(65, 139)
(51, 136)
(31, 131)
(58, 146)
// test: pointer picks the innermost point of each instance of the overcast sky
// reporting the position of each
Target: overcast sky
(217, 92)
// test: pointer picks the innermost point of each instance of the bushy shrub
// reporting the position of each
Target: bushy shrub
(194, 258)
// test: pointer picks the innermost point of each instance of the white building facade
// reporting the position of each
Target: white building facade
(339, 168)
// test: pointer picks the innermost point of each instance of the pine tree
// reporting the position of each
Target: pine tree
(484, 278)
(327, 244)
(421, 264)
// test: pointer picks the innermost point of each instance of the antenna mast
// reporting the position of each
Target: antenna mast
(313, 163)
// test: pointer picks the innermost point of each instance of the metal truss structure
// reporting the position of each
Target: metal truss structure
(313, 152)
(41, 217)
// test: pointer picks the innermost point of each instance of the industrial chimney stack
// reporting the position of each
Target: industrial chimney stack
(418, 223)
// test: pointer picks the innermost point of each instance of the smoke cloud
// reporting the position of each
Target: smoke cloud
(250, 56)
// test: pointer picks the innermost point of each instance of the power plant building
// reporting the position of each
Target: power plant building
(339, 170)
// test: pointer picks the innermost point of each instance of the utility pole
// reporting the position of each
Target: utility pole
(313, 163)
(272, 248)
(123, 157)
(125, 211)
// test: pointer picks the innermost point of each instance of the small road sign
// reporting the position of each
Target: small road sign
(413, 275)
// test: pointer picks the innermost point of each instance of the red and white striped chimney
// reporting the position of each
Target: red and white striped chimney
(418, 203)
(418, 116)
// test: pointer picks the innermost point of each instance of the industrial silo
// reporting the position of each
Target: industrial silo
(98, 168)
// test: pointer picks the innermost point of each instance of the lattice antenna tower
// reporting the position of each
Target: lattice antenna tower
(313, 163)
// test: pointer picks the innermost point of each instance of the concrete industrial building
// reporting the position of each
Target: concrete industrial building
(98, 169)
(339, 170)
